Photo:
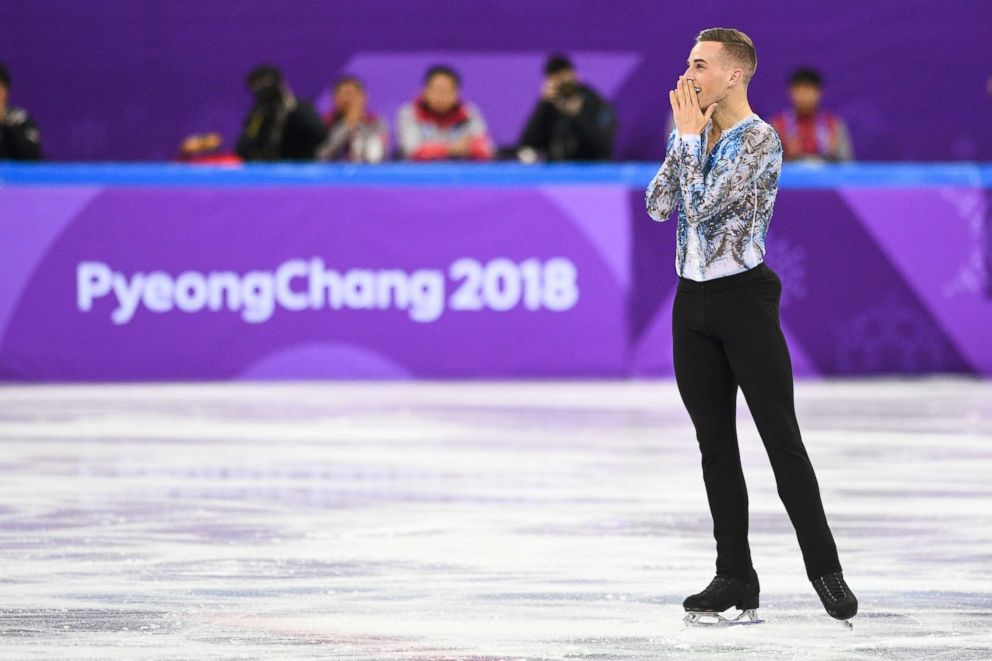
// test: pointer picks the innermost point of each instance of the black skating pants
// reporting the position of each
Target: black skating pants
(726, 334)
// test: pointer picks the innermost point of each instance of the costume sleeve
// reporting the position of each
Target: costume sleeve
(662, 192)
(732, 178)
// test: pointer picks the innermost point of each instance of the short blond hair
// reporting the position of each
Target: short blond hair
(737, 46)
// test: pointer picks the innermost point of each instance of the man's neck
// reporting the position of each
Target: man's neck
(729, 112)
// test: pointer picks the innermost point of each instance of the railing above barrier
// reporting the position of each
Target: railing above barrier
(794, 175)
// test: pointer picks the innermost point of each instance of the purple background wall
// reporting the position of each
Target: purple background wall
(116, 80)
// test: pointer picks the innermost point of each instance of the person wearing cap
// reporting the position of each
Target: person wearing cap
(20, 139)
(570, 122)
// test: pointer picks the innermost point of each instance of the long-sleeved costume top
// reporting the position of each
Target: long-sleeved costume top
(20, 139)
(586, 136)
(425, 135)
(725, 198)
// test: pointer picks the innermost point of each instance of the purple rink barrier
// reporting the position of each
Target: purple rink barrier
(164, 272)
(214, 283)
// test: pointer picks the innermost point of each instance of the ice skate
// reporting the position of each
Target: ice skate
(708, 619)
(707, 607)
(837, 598)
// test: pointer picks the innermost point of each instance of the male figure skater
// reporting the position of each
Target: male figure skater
(722, 168)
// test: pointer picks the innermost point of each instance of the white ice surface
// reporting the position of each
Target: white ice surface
(473, 521)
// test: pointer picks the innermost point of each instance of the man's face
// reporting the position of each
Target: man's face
(805, 98)
(708, 72)
(441, 93)
(347, 96)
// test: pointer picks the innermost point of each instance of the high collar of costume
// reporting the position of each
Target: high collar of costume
(457, 115)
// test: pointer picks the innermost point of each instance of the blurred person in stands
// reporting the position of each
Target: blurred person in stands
(20, 139)
(354, 134)
(279, 127)
(807, 132)
(570, 122)
(440, 125)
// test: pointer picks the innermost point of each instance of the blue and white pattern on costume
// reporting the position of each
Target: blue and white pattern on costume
(725, 199)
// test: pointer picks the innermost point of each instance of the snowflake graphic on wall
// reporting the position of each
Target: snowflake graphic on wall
(789, 262)
(889, 337)
(973, 208)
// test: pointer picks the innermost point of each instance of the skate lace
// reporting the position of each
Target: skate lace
(833, 586)
(716, 585)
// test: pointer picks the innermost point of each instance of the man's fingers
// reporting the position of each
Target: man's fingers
(693, 97)
(673, 100)
(690, 95)
(709, 112)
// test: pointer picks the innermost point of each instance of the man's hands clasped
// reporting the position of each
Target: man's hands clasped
(689, 119)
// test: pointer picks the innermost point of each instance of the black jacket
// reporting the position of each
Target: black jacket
(273, 134)
(20, 139)
(587, 136)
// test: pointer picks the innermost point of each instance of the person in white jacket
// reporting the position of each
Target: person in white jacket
(440, 125)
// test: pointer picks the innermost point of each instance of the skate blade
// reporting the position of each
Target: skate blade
(710, 619)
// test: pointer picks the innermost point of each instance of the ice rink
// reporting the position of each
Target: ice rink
(473, 521)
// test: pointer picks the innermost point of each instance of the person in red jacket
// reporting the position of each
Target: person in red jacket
(439, 125)
(807, 132)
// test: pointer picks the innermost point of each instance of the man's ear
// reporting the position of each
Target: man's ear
(736, 76)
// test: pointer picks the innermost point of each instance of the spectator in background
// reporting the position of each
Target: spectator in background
(807, 132)
(20, 139)
(354, 134)
(440, 125)
(279, 127)
(571, 122)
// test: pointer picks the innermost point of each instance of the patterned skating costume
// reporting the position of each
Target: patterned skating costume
(726, 334)
(725, 199)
